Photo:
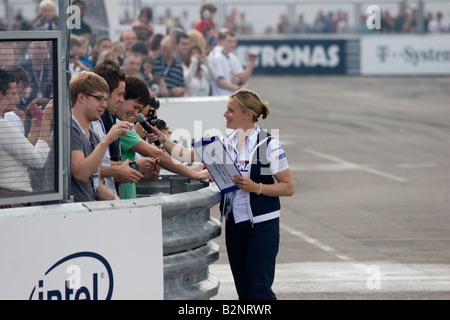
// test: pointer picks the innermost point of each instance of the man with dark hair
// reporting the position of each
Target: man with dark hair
(115, 78)
(17, 154)
(137, 97)
(113, 171)
(18, 115)
(183, 43)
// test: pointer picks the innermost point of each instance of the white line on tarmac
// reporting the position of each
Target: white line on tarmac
(361, 167)
(336, 167)
(296, 280)
(322, 246)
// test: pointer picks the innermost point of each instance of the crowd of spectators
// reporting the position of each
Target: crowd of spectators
(173, 64)
(26, 117)
(193, 58)
(404, 19)
(332, 21)
(161, 65)
(179, 63)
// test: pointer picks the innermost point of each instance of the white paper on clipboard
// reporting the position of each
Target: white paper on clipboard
(219, 163)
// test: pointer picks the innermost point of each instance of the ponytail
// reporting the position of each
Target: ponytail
(249, 100)
(265, 110)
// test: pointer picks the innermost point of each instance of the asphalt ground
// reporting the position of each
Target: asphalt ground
(370, 218)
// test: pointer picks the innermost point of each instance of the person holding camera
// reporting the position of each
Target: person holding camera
(113, 170)
(198, 73)
(137, 97)
(208, 13)
(151, 116)
(89, 96)
(17, 153)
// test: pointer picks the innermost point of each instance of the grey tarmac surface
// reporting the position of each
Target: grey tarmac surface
(370, 218)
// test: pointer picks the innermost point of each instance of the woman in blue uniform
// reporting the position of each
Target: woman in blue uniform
(252, 212)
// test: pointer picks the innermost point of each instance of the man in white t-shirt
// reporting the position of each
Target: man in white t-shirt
(436, 25)
(231, 76)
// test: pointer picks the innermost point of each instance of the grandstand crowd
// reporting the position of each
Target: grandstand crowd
(196, 42)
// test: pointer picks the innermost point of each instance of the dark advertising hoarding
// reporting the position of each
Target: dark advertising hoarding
(295, 56)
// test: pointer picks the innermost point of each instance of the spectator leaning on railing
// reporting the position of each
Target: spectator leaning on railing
(88, 96)
(137, 97)
(112, 170)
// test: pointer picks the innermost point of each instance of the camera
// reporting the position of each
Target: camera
(134, 165)
(153, 119)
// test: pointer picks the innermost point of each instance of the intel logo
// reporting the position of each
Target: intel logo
(80, 276)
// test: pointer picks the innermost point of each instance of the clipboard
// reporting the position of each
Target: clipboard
(218, 162)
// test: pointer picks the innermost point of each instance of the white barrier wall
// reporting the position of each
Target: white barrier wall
(74, 254)
(405, 54)
(190, 119)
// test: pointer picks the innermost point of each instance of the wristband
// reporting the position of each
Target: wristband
(260, 189)
(164, 139)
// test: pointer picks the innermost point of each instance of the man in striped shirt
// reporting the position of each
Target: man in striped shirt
(170, 68)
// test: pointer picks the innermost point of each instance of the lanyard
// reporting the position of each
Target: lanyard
(95, 176)
(229, 143)
(103, 126)
(92, 145)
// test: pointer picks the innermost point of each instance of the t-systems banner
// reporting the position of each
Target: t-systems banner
(405, 55)
(295, 56)
(110, 255)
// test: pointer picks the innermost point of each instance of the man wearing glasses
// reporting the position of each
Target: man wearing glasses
(88, 98)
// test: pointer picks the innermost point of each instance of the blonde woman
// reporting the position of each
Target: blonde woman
(252, 212)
